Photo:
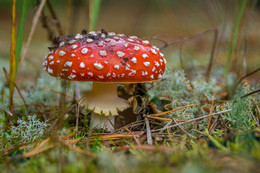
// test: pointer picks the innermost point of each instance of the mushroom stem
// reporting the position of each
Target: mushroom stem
(99, 121)
(105, 103)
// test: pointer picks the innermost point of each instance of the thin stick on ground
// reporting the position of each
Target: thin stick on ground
(183, 130)
(188, 121)
(148, 132)
(137, 141)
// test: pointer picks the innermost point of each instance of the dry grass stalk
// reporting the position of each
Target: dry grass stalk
(211, 110)
(137, 141)
(34, 24)
(166, 112)
(188, 121)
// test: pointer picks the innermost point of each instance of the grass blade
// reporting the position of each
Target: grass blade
(235, 34)
(94, 6)
(12, 58)
(20, 33)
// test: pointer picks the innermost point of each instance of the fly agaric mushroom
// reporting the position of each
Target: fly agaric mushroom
(106, 59)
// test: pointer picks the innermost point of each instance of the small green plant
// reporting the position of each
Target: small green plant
(26, 131)
(183, 91)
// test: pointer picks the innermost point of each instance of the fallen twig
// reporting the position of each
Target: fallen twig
(148, 132)
(188, 121)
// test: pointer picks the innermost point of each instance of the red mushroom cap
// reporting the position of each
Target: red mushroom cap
(104, 57)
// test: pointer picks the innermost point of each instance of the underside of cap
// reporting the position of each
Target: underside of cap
(103, 100)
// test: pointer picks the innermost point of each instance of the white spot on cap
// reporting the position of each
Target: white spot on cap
(73, 55)
(92, 32)
(50, 71)
(102, 35)
(145, 56)
(162, 54)
(113, 44)
(159, 76)
(111, 34)
(145, 41)
(156, 64)
(71, 76)
(58, 61)
(120, 35)
(153, 51)
(98, 66)
(89, 40)
(82, 65)
(62, 53)
(132, 37)
(122, 75)
(132, 73)
(153, 69)
(91, 56)
(164, 60)
(147, 64)
(103, 53)
(64, 69)
(68, 64)
(74, 46)
(52, 62)
(161, 60)
(156, 48)
(101, 77)
(114, 75)
(144, 73)
(107, 40)
(136, 48)
(44, 63)
(82, 74)
(90, 73)
(100, 44)
(116, 38)
(127, 68)
(116, 67)
(131, 40)
(72, 41)
(78, 36)
(126, 45)
(120, 54)
(134, 60)
(108, 74)
(152, 76)
(50, 57)
(106, 62)
(61, 44)
(84, 51)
